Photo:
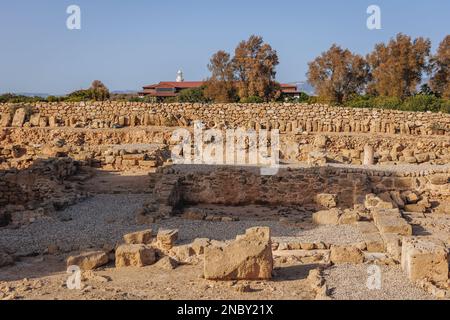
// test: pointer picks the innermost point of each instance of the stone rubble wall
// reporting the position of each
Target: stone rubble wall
(293, 186)
(39, 189)
(112, 149)
(285, 117)
(19, 147)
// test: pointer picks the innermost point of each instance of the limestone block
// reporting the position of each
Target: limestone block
(326, 200)
(346, 254)
(134, 255)
(35, 119)
(368, 155)
(374, 242)
(327, 217)
(199, 245)
(140, 237)
(167, 238)
(393, 245)
(19, 117)
(88, 260)
(392, 224)
(6, 119)
(249, 257)
(349, 217)
(425, 259)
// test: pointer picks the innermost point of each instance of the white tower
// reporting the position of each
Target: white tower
(180, 76)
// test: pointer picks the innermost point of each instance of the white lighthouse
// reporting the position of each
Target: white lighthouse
(180, 76)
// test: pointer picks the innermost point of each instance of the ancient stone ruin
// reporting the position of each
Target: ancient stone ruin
(95, 186)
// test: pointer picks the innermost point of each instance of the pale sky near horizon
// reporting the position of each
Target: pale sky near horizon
(128, 44)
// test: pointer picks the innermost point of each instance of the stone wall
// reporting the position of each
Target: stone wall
(292, 186)
(20, 146)
(39, 189)
(286, 117)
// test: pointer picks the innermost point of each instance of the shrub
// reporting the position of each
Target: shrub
(422, 102)
(194, 95)
(252, 99)
(386, 102)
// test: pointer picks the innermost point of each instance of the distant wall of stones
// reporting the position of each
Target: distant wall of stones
(285, 117)
(19, 147)
(114, 149)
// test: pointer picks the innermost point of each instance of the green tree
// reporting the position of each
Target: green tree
(440, 66)
(338, 74)
(220, 86)
(254, 64)
(193, 95)
(396, 68)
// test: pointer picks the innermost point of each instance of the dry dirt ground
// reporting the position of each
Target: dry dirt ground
(110, 213)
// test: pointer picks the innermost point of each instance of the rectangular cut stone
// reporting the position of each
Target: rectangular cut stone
(88, 260)
(366, 227)
(19, 118)
(346, 254)
(388, 224)
(6, 119)
(140, 237)
(393, 245)
(249, 257)
(374, 242)
(166, 238)
(425, 259)
(135, 255)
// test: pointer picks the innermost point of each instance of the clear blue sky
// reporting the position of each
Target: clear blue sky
(127, 44)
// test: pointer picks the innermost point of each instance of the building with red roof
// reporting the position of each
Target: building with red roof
(166, 89)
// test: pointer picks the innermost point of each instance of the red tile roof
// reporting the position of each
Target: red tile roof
(174, 84)
(151, 89)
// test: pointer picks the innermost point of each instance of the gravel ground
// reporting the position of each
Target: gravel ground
(341, 234)
(104, 219)
(99, 220)
(349, 282)
(397, 168)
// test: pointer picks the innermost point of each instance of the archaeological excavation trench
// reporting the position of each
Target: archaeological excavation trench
(101, 191)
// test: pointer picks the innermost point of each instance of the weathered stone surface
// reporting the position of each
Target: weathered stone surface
(183, 253)
(303, 256)
(346, 254)
(6, 119)
(327, 217)
(425, 259)
(392, 224)
(88, 260)
(134, 255)
(349, 217)
(35, 118)
(19, 117)
(374, 242)
(374, 202)
(199, 245)
(393, 245)
(366, 227)
(140, 237)
(326, 200)
(415, 207)
(167, 263)
(368, 155)
(167, 238)
(247, 258)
